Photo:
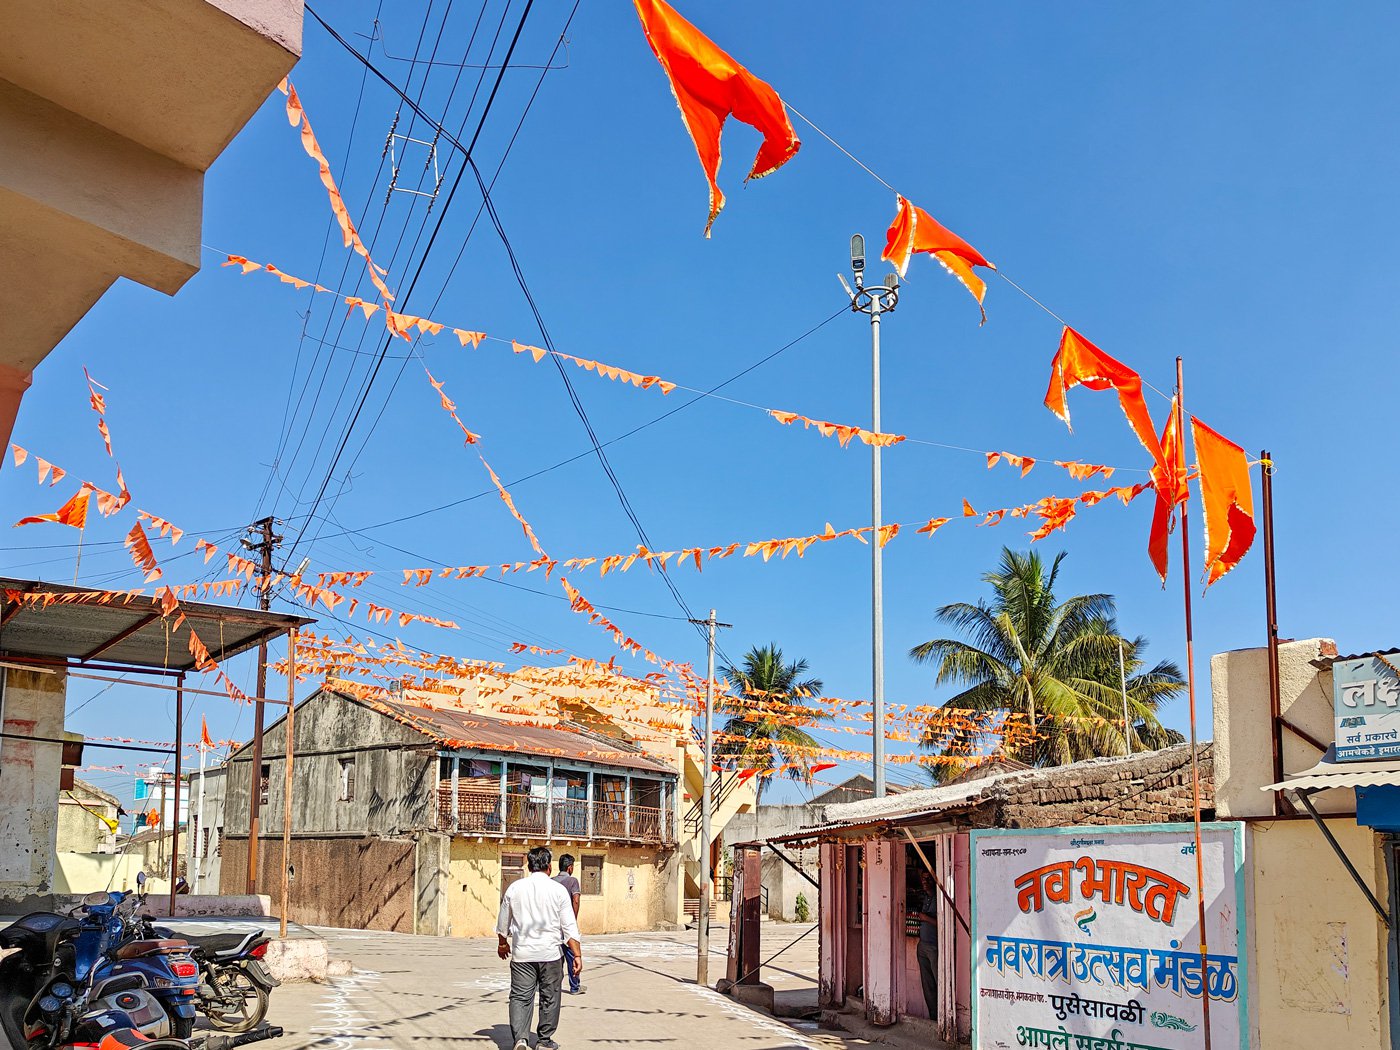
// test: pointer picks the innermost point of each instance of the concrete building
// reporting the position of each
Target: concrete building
(40, 643)
(1322, 937)
(631, 711)
(202, 844)
(110, 115)
(415, 819)
(874, 851)
(82, 815)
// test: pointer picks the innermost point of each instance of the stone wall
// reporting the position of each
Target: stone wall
(1154, 788)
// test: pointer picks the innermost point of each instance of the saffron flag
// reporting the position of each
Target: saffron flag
(1169, 481)
(73, 513)
(1227, 498)
(915, 230)
(710, 87)
(1079, 362)
(204, 740)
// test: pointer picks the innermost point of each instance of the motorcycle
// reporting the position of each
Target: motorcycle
(235, 985)
(110, 942)
(49, 1001)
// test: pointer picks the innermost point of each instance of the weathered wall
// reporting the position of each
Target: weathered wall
(1318, 967)
(782, 883)
(1239, 685)
(395, 775)
(79, 829)
(638, 888)
(352, 883)
(32, 705)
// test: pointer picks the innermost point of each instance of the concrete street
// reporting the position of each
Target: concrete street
(438, 993)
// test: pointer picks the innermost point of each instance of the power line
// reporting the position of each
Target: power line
(345, 440)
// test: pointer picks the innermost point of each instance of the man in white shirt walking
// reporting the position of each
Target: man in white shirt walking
(537, 917)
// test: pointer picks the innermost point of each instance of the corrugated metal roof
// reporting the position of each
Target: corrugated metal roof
(1330, 773)
(461, 729)
(116, 627)
(1324, 662)
(934, 802)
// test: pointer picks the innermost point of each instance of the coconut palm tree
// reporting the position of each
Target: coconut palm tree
(764, 739)
(1055, 662)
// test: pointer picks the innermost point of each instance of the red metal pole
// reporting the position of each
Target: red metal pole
(1180, 410)
(1271, 624)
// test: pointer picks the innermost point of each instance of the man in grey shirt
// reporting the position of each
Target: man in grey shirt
(566, 879)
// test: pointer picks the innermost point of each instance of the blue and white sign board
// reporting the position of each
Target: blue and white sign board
(1088, 938)
(1366, 706)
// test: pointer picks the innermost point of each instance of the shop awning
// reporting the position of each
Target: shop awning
(1330, 773)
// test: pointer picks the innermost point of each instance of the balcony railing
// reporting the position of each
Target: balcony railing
(481, 813)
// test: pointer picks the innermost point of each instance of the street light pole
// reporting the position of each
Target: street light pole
(874, 300)
(702, 917)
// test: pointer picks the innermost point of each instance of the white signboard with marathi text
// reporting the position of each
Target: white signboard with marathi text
(1366, 701)
(1088, 938)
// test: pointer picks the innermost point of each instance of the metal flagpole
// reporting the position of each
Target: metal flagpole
(1180, 410)
(874, 300)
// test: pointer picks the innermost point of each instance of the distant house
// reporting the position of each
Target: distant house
(201, 842)
(415, 819)
(82, 815)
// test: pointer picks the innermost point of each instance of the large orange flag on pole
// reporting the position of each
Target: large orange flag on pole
(1079, 362)
(1169, 481)
(710, 87)
(915, 230)
(1227, 498)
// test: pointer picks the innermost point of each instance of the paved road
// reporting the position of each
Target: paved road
(439, 993)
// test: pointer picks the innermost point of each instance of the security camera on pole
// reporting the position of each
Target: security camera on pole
(874, 300)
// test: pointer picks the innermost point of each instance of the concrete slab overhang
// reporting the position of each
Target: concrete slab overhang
(110, 113)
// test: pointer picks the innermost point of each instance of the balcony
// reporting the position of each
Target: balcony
(520, 816)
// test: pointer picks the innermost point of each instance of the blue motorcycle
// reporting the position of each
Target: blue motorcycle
(46, 1005)
(109, 944)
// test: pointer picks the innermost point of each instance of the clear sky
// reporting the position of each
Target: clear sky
(1214, 181)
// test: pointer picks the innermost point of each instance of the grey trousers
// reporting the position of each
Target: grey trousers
(527, 980)
(928, 977)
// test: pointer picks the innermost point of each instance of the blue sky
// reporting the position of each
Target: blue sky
(1217, 183)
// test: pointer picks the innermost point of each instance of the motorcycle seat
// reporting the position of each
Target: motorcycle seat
(136, 949)
(224, 945)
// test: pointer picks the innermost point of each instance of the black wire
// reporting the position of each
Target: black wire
(345, 440)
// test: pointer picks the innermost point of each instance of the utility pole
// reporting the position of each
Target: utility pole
(874, 300)
(266, 543)
(702, 918)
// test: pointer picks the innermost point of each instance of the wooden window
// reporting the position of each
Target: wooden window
(347, 779)
(512, 869)
(591, 875)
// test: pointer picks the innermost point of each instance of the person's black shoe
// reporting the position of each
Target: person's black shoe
(546, 1044)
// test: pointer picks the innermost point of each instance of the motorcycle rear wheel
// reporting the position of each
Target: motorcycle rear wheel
(246, 1007)
(181, 1028)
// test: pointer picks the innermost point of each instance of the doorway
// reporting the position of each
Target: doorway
(855, 923)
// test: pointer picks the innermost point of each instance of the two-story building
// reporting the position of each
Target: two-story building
(415, 818)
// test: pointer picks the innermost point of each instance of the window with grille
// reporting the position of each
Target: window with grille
(204, 849)
(264, 779)
(218, 841)
(591, 875)
(512, 869)
(347, 779)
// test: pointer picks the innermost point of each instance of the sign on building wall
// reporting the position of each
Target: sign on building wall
(1366, 704)
(1088, 938)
